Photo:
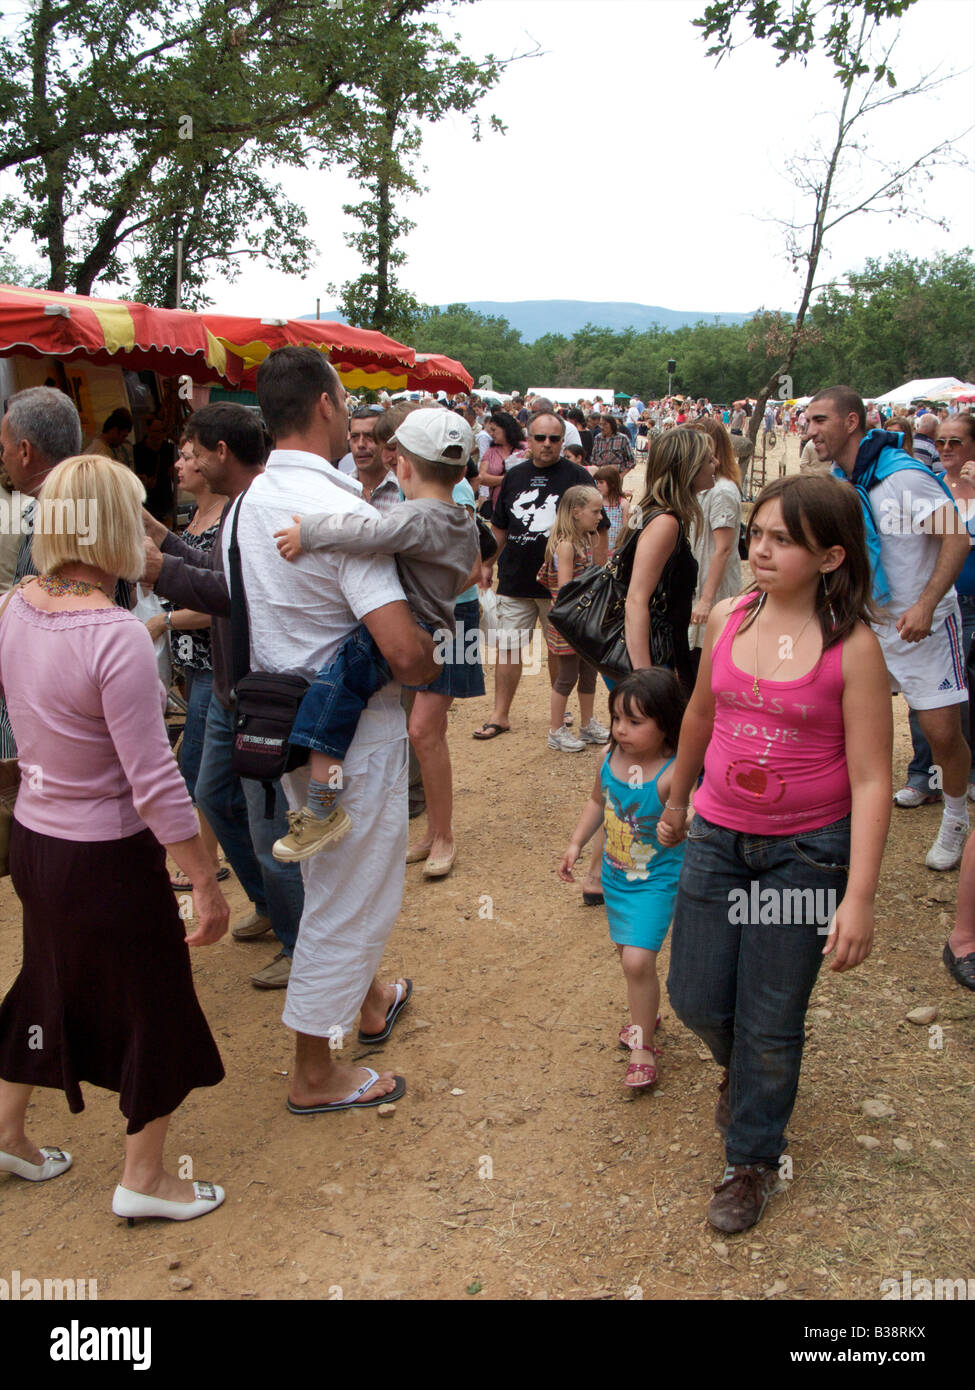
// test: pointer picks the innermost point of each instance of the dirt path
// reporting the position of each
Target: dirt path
(517, 1166)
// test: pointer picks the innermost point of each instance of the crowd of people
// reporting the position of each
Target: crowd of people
(745, 779)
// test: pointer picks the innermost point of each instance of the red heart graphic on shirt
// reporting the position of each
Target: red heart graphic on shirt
(753, 781)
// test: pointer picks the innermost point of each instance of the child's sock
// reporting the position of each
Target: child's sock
(956, 808)
(321, 799)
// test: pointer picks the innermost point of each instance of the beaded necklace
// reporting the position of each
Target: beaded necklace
(57, 586)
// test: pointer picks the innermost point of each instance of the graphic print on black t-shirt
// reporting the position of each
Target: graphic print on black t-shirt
(526, 508)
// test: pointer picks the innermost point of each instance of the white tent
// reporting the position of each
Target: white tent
(569, 395)
(932, 389)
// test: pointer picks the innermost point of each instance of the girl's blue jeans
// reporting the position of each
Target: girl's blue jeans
(740, 978)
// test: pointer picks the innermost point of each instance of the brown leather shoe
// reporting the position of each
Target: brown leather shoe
(741, 1196)
(275, 974)
(252, 928)
(722, 1110)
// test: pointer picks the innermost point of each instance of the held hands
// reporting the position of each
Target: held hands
(850, 935)
(211, 912)
(289, 540)
(487, 577)
(915, 624)
(671, 828)
(569, 859)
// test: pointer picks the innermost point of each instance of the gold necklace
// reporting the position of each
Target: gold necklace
(758, 615)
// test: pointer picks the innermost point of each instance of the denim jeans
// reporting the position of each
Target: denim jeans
(919, 768)
(199, 688)
(329, 713)
(741, 979)
(234, 806)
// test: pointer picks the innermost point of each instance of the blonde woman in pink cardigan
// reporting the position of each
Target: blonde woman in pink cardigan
(105, 993)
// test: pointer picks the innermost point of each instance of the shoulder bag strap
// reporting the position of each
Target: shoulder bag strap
(240, 641)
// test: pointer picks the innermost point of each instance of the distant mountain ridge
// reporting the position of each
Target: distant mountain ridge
(535, 317)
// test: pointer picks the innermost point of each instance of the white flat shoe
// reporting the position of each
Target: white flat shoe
(132, 1204)
(56, 1162)
(439, 868)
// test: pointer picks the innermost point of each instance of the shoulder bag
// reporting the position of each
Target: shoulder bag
(590, 611)
(265, 702)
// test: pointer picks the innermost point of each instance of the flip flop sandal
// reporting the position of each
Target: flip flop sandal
(498, 729)
(353, 1102)
(222, 875)
(395, 1009)
(592, 899)
(626, 1035)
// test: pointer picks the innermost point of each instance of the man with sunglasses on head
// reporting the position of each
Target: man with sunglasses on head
(524, 514)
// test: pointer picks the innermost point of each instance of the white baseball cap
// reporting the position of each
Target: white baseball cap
(438, 436)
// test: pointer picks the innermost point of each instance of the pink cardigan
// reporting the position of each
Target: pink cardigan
(85, 704)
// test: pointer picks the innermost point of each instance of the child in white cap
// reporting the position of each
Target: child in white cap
(436, 545)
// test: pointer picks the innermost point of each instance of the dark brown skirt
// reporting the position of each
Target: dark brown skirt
(105, 993)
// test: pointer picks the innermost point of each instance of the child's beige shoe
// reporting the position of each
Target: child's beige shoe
(307, 834)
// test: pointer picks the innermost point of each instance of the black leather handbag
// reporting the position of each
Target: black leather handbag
(590, 612)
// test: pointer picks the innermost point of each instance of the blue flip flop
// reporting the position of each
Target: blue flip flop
(353, 1102)
(395, 1009)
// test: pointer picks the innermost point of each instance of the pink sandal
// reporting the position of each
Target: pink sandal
(640, 1074)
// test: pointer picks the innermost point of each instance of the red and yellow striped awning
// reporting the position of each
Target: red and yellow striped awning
(111, 332)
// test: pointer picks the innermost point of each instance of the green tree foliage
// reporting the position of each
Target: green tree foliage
(880, 326)
(123, 119)
(897, 321)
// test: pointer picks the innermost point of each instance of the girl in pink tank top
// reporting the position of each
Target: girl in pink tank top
(791, 720)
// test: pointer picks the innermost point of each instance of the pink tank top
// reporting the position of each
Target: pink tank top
(776, 763)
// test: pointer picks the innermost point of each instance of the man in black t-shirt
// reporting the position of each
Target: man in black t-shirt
(523, 517)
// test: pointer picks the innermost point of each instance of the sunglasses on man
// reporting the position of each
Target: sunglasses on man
(552, 438)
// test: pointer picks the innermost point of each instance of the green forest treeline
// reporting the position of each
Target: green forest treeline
(881, 326)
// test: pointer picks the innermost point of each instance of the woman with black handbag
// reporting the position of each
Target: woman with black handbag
(660, 594)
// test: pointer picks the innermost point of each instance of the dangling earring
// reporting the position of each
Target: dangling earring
(829, 605)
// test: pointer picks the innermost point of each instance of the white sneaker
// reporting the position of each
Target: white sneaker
(564, 742)
(947, 849)
(909, 797)
(594, 732)
(971, 791)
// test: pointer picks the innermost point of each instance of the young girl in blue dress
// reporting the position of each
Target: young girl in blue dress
(639, 876)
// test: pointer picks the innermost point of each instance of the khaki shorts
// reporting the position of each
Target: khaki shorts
(520, 615)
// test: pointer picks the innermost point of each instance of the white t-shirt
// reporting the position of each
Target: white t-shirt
(901, 504)
(300, 612)
(572, 435)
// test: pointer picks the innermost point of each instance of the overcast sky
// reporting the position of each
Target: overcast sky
(633, 169)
